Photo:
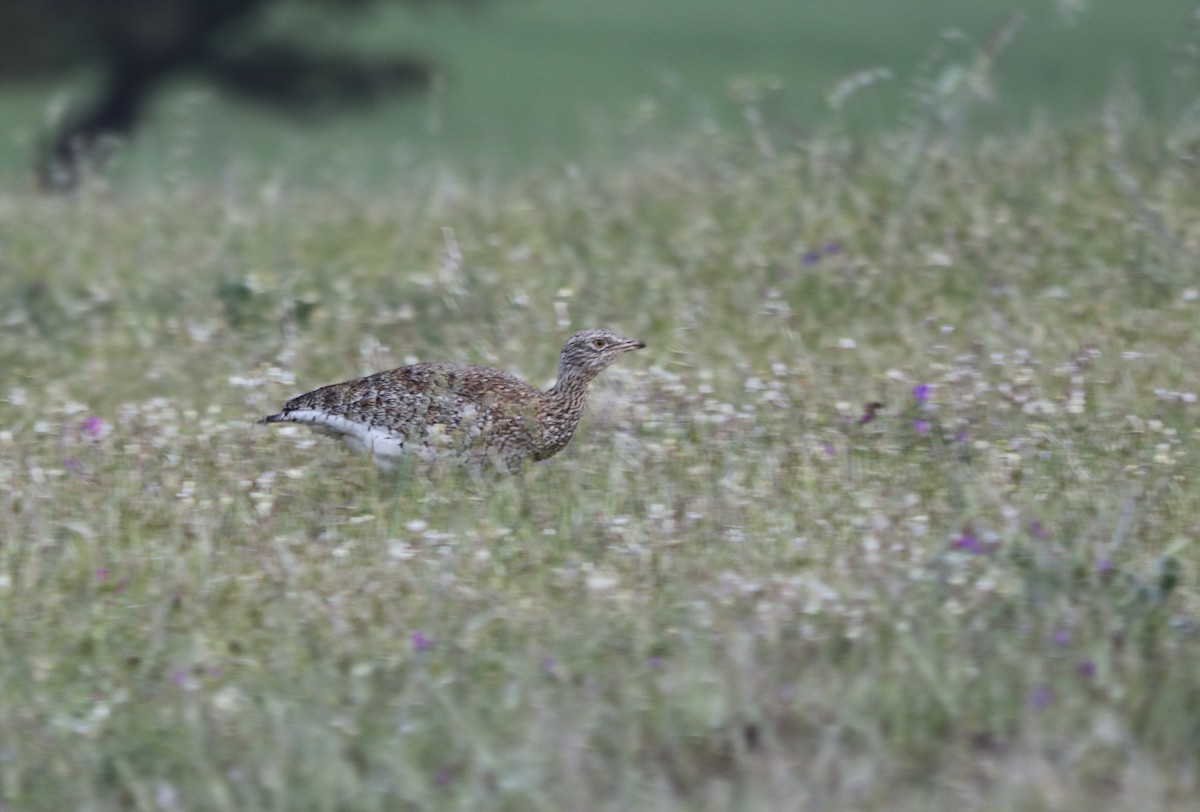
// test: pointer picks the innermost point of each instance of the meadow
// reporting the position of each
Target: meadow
(896, 511)
(741, 586)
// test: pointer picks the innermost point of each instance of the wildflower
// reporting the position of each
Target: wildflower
(1041, 697)
(1061, 637)
(421, 642)
(602, 581)
(921, 426)
(968, 543)
(1087, 669)
(1037, 531)
(550, 665)
(655, 662)
(1104, 566)
(92, 427)
(101, 573)
(920, 393)
(810, 259)
(832, 248)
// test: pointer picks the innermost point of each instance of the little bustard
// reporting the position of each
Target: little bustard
(458, 412)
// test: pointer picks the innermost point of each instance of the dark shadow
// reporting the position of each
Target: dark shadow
(137, 45)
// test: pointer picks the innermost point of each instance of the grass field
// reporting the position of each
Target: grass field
(897, 510)
(530, 82)
(739, 588)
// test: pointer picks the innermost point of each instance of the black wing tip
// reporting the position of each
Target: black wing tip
(271, 418)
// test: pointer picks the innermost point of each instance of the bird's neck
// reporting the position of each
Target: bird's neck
(559, 411)
(571, 388)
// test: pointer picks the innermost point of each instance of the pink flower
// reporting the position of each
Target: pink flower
(421, 642)
(92, 427)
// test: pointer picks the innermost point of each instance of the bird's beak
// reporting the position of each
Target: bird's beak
(634, 344)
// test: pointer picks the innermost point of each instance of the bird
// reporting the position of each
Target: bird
(460, 413)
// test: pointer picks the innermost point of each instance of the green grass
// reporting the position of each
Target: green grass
(534, 81)
(728, 592)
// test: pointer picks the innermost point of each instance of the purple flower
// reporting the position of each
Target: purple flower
(1104, 566)
(1061, 637)
(550, 665)
(101, 573)
(655, 662)
(920, 393)
(1087, 669)
(444, 776)
(828, 449)
(832, 247)
(71, 463)
(92, 426)
(421, 642)
(968, 543)
(921, 426)
(1037, 531)
(1041, 697)
(179, 677)
(810, 258)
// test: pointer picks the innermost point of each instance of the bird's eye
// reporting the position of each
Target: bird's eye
(598, 343)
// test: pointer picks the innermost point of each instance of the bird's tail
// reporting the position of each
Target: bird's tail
(271, 418)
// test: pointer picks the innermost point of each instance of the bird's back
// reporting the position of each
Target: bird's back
(404, 399)
(433, 410)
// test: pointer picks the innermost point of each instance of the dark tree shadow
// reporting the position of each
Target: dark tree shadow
(139, 44)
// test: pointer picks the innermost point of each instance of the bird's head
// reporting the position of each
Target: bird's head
(590, 351)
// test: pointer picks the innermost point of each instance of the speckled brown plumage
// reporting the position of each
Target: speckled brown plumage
(458, 412)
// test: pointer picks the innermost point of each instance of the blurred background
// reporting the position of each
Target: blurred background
(366, 90)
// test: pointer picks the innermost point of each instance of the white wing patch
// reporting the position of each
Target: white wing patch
(386, 448)
(438, 443)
